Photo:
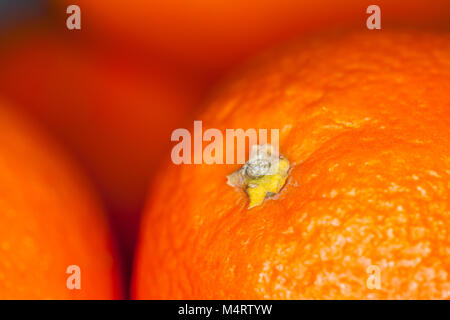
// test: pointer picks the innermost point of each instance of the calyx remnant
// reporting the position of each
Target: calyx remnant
(262, 176)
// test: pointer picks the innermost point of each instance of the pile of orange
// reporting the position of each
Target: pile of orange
(363, 119)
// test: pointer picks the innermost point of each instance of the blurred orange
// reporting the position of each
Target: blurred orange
(49, 220)
(117, 120)
(211, 35)
(364, 120)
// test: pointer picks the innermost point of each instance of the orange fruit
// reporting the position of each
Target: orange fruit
(364, 122)
(211, 35)
(50, 219)
(115, 118)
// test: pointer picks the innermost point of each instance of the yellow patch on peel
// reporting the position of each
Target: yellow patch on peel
(259, 189)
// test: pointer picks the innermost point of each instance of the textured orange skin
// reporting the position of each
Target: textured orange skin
(49, 219)
(211, 35)
(116, 120)
(365, 119)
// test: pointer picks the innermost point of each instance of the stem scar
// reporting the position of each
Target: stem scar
(262, 176)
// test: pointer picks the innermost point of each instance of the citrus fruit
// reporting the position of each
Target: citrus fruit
(114, 117)
(363, 120)
(50, 219)
(209, 36)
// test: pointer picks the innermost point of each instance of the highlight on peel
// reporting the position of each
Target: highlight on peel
(50, 220)
(365, 118)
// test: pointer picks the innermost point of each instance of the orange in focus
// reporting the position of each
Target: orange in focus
(364, 119)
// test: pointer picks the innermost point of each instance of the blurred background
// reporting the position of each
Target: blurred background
(112, 92)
